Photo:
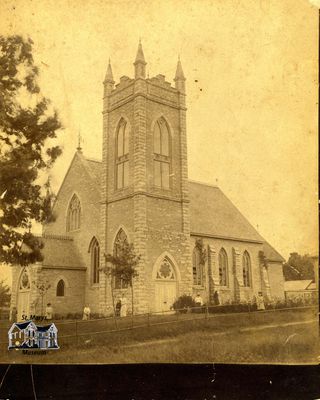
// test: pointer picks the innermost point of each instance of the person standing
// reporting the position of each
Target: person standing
(49, 312)
(13, 316)
(123, 309)
(198, 300)
(86, 313)
(118, 308)
(260, 302)
(216, 298)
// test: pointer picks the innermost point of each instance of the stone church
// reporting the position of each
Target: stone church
(140, 193)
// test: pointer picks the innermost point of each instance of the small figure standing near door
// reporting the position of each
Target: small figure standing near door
(13, 316)
(118, 308)
(198, 300)
(49, 312)
(260, 302)
(123, 309)
(86, 313)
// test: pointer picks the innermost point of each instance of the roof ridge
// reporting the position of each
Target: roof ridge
(203, 183)
(93, 160)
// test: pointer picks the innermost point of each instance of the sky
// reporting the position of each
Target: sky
(251, 69)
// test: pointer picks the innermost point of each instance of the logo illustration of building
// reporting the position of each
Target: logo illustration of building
(27, 335)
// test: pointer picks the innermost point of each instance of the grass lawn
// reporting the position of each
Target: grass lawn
(240, 338)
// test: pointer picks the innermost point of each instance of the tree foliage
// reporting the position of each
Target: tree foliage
(123, 265)
(298, 267)
(28, 126)
(202, 250)
(5, 294)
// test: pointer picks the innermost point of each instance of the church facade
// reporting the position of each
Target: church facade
(140, 193)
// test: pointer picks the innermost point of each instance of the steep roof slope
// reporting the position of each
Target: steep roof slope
(94, 169)
(271, 253)
(211, 212)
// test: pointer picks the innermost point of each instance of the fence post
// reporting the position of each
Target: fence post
(207, 311)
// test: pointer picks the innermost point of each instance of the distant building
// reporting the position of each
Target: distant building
(140, 193)
(304, 289)
(27, 335)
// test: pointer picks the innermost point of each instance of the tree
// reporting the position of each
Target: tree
(123, 266)
(28, 124)
(5, 294)
(298, 267)
(199, 245)
(42, 286)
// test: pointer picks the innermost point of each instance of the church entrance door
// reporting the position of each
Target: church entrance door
(165, 286)
(23, 303)
(165, 295)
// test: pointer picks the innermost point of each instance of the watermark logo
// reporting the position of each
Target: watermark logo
(29, 336)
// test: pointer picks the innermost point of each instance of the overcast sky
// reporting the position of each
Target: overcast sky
(251, 69)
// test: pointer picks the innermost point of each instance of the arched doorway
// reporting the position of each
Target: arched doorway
(165, 284)
(23, 296)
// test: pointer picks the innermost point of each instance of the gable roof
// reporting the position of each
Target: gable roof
(95, 168)
(46, 327)
(92, 167)
(60, 251)
(23, 325)
(298, 285)
(271, 253)
(211, 212)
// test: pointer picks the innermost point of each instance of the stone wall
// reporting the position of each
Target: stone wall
(234, 291)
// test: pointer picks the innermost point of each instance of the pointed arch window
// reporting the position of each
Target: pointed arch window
(161, 154)
(197, 268)
(122, 155)
(223, 268)
(246, 269)
(24, 281)
(166, 270)
(74, 214)
(95, 260)
(60, 288)
(120, 241)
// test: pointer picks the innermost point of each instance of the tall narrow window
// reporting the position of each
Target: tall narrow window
(122, 155)
(120, 241)
(161, 150)
(223, 268)
(60, 288)
(246, 269)
(197, 268)
(95, 260)
(74, 214)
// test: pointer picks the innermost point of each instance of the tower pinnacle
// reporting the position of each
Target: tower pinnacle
(79, 148)
(109, 74)
(108, 81)
(180, 78)
(140, 63)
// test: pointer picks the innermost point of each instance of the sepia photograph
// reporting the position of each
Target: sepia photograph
(158, 182)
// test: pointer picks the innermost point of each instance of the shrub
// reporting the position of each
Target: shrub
(231, 308)
(183, 303)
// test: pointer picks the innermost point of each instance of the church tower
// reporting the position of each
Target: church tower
(144, 186)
